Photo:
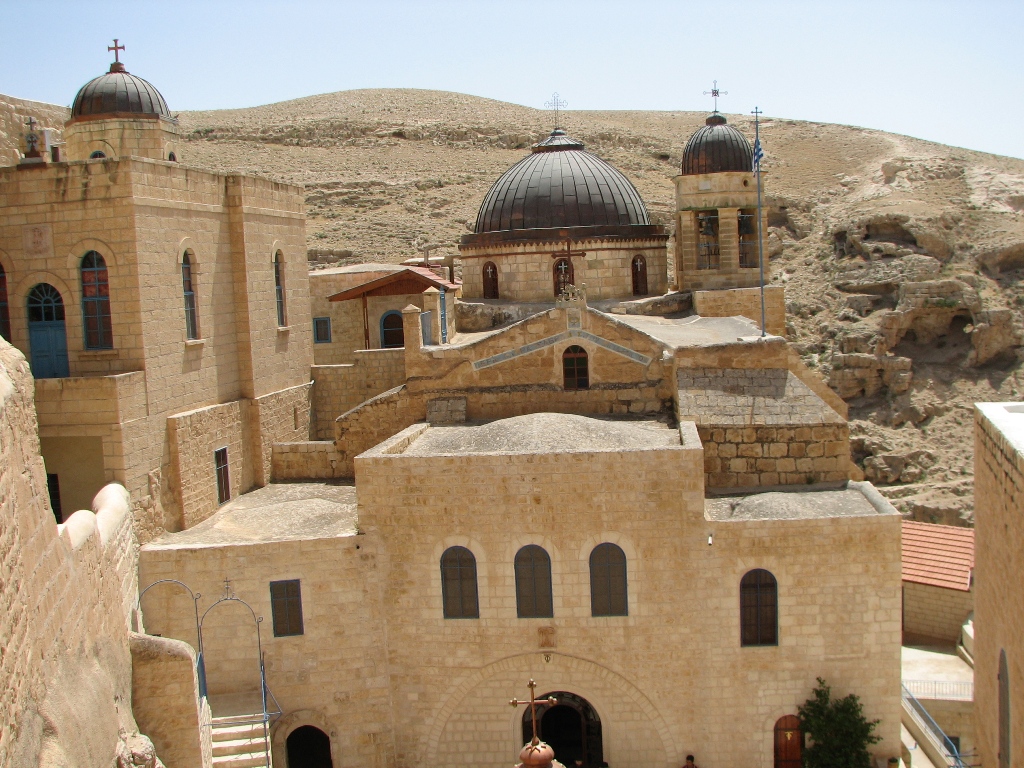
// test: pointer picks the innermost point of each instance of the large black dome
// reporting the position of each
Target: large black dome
(560, 185)
(715, 148)
(119, 92)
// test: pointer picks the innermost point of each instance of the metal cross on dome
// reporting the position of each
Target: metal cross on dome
(556, 104)
(715, 92)
(550, 700)
(115, 48)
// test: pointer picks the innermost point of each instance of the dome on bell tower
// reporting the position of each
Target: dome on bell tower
(716, 148)
(118, 92)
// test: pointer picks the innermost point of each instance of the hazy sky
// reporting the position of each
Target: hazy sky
(950, 72)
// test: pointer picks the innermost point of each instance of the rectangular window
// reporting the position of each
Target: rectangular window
(321, 330)
(220, 461)
(53, 486)
(286, 605)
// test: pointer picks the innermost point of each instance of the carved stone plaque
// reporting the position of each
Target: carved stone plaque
(37, 240)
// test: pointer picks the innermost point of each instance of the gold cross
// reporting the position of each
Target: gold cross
(550, 700)
(115, 48)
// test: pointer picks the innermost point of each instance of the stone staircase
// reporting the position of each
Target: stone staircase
(240, 742)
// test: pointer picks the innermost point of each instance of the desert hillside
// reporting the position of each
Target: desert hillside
(902, 259)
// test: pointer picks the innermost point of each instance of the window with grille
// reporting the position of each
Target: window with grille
(188, 289)
(279, 289)
(286, 607)
(321, 330)
(608, 593)
(759, 623)
(747, 225)
(490, 280)
(458, 584)
(220, 463)
(96, 302)
(708, 251)
(533, 583)
(5, 311)
(575, 370)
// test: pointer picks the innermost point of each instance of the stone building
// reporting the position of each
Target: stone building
(164, 310)
(938, 570)
(563, 216)
(998, 597)
(650, 515)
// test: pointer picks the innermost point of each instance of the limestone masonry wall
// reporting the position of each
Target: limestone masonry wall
(340, 388)
(998, 595)
(745, 302)
(935, 612)
(67, 592)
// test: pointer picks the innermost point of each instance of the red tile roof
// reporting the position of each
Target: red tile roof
(938, 555)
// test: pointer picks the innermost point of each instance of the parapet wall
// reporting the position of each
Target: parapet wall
(68, 594)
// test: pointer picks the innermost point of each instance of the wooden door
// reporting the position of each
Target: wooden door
(789, 742)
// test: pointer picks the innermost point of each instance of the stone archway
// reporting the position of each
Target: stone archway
(571, 727)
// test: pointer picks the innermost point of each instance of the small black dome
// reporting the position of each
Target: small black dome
(715, 148)
(118, 91)
(560, 185)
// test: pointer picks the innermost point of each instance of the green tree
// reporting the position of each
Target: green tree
(839, 733)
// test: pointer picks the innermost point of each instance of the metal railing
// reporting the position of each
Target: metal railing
(950, 690)
(930, 728)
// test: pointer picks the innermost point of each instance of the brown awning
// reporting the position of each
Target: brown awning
(406, 281)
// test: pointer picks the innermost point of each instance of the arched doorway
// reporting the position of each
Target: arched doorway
(789, 742)
(571, 727)
(490, 280)
(47, 335)
(639, 269)
(309, 747)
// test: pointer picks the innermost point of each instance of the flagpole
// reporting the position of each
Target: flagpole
(760, 234)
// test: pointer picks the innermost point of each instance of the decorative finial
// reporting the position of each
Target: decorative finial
(551, 701)
(228, 592)
(115, 48)
(556, 104)
(715, 92)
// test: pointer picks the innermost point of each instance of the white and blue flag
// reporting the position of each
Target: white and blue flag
(758, 156)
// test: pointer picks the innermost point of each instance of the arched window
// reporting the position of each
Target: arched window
(608, 596)
(96, 302)
(759, 599)
(97, 155)
(1005, 759)
(575, 372)
(172, 157)
(562, 273)
(639, 269)
(458, 584)
(279, 289)
(189, 291)
(490, 280)
(392, 330)
(5, 311)
(533, 583)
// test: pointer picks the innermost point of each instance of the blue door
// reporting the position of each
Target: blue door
(47, 336)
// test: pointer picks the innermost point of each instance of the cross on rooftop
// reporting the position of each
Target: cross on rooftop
(556, 104)
(550, 700)
(568, 253)
(115, 48)
(31, 123)
(715, 92)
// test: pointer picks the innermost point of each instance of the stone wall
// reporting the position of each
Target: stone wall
(68, 592)
(999, 561)
(525, 269)
(308, 460)
(278, 417)
(117, 137)
(14, 114)
(934, 613)
(340, 388)
(166, 702)
(373, 421)
(745, 302)
(333, 676)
